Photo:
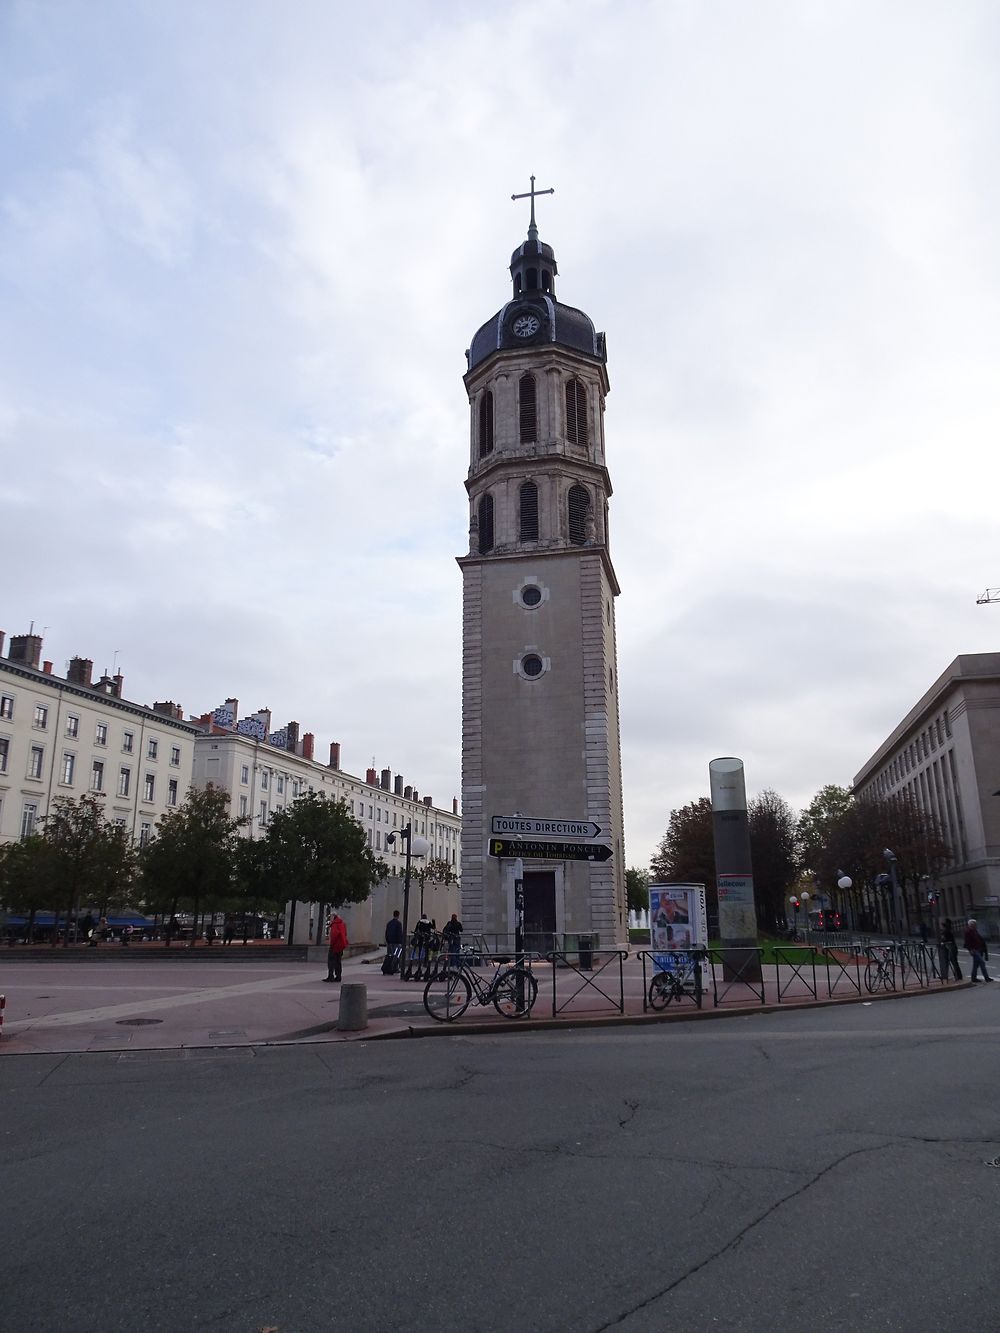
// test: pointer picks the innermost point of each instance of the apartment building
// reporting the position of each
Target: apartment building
(73, 736)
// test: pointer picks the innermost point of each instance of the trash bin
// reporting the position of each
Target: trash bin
(586, 952)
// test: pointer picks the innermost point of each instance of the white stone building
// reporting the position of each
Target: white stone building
(74, 737)
(945, 755)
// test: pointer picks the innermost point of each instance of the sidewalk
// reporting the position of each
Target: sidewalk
(186, 1005)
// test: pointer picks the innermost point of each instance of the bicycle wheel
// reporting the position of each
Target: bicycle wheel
(446, 996)
(876, 978)
(662, 989)
(505, 993)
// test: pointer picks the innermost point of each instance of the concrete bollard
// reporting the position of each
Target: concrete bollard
(353, 1007)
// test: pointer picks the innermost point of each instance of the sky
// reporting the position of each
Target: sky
(244, 246)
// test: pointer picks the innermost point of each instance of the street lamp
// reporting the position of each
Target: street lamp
(805, 913)
(415, 846)
(846, 884)
(890, 857)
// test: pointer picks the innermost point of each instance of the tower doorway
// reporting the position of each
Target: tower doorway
(540, 910)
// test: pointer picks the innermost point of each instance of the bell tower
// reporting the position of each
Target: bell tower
(540, 732)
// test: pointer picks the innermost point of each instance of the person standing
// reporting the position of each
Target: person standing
(948, 951)
(338, 943)
(393, 945)
(453, 937)
(976, 946)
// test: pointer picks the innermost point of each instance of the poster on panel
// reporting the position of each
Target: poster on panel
(677, 923)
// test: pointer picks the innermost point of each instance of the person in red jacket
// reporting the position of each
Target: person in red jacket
(338, 943)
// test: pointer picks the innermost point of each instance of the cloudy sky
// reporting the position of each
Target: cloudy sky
(244, 245)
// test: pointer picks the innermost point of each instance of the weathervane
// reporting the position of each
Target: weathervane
(530, 194)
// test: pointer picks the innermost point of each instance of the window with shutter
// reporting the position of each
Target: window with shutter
(576, 413)
(528, 409)
(579, 503)
(486, 424)
(528, 528)
(486, 524)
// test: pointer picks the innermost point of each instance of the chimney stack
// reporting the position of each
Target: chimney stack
(292, 737)
(407, 793)
(308, 745)
(119, 680)
(26, 649)
(428, 800)
(397, 786)
(386, 779)
(371, 777)
(80, 671)
(335, 754)
(454, 805)
(47, 668)
(3, 636)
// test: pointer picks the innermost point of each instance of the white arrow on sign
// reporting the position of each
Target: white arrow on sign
(513, 826)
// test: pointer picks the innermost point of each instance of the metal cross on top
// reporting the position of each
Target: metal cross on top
(531, 194)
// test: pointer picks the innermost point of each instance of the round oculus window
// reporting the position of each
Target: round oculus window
(531, 595)
(532, 665)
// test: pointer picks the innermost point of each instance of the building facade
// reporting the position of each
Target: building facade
(540, 731)
(73, 737)
(945, 755)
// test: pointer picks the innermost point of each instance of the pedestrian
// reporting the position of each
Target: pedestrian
(338, 943)
(976, 946)
(453, 937)
(127, 935)
(228, 931)
(393, 944)
(924, 932)
(210, 934)
(948, 951)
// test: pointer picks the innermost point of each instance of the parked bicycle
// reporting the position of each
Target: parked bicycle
(880, 973)
(512, 991)
(678, 982)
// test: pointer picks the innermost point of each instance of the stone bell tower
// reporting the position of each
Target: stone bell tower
(540, 734)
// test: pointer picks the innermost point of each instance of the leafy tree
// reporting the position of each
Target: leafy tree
(316, 851)
(25, 870)
(772, 854)
(89, 859)
(686, 852)
(637, 889)
(191, 858)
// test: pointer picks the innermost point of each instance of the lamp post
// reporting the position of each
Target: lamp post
(415, 846)
(805, 913)
(890, 857)
(846, 884)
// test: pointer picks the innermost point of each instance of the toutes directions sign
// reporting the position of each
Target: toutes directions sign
(522, 826)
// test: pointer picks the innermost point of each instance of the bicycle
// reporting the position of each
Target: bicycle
(880, 973)
(512, 991)
(678, 982)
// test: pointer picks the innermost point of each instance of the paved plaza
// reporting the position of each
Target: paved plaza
(109, 1003)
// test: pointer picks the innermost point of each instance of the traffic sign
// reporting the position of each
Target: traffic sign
(511, 825)
(549, 851)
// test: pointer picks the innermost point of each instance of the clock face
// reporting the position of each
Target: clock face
(526, 326)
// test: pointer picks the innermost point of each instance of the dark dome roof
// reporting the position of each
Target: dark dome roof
(531, 248)
(561, 324)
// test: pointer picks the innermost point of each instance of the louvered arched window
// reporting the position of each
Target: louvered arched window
(527, 409)
(528, 512)
(486, 424)
(485, 524)
(576, 413)
(579, 504)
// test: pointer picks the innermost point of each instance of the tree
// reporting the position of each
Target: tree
(772, 855)
(191, 858)
(89, 859)
(317, 852)
(637, 889)
(686, 853)
(25, 869)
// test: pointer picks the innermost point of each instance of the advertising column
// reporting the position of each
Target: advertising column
(733, 872)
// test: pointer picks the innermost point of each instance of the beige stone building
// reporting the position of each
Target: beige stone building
(945, 754)
(73, 736)
(540, 681)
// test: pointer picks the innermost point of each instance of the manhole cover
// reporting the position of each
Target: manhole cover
(138, 1022)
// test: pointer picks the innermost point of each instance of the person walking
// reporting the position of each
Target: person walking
(948, 951)
(976, 946)
(393, 945)
(338, 943)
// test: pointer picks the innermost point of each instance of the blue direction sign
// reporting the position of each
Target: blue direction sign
(549, 851)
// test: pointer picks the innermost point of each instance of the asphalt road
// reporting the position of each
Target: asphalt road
(794, 1171)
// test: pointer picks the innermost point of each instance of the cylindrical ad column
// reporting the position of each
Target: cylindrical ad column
(733, 870)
